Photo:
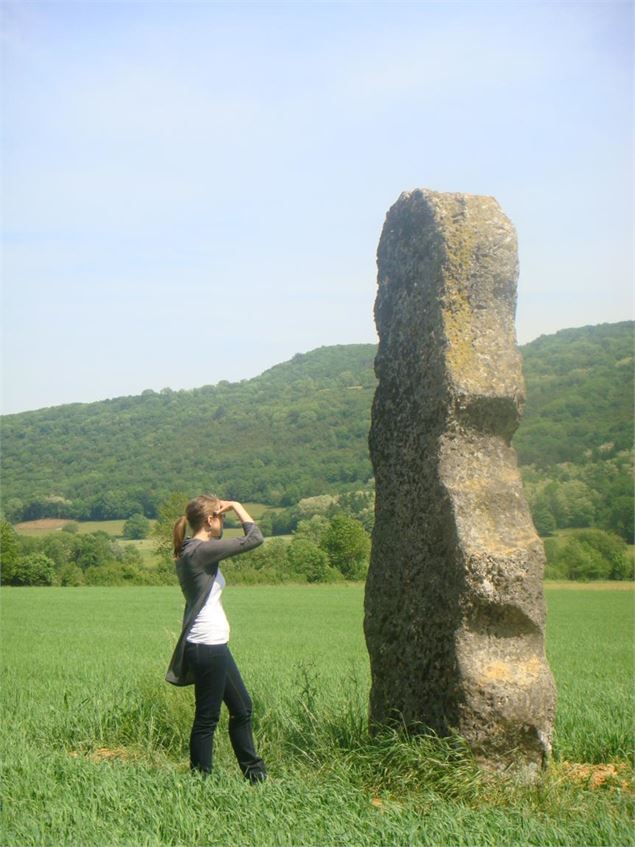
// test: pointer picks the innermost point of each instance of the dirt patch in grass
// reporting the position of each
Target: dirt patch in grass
(617, 775)
(129, 754)
(50, 524)
(105, 754)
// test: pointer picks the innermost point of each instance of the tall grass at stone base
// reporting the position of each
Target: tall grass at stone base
(316, 743)
(425, 789)
(305, 733)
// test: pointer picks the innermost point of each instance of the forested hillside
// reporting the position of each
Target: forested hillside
(579, 395)
(300, 429)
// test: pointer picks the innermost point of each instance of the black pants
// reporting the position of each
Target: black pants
(217, 680)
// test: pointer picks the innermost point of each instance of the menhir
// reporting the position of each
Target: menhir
(454, 607)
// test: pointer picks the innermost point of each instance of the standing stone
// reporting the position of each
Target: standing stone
(454, 607)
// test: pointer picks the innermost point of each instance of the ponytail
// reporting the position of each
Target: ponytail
(178, 534)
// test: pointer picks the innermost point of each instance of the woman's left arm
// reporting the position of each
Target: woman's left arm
(209, 553)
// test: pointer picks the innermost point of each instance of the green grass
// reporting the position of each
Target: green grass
(256, 510)
(114, 528)
(85, 669)
(590, 648)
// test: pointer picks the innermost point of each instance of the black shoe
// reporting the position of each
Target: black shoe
(254, 777)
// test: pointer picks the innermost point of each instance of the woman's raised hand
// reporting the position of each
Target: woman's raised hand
(242, 513)
(225, 506)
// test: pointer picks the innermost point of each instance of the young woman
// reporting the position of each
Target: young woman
(202, 655)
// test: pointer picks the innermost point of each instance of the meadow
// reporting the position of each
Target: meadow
(43, 526)
(95, 742)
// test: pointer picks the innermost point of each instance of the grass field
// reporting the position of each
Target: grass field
(115, 527)
(46, 525)
(95, 743)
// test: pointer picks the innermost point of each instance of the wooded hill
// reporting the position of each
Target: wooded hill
(297, 430)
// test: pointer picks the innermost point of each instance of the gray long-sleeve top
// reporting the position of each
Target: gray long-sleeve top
(196, 568)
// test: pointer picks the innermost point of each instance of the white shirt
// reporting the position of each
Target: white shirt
(211, 625)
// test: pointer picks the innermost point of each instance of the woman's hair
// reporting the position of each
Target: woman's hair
(196, 513)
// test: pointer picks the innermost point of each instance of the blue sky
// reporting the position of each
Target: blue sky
(194, 191)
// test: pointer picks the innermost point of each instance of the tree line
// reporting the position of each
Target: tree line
(321, 550)
(69, 559)
(330, 541)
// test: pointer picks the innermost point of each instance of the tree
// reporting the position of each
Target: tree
(594, 554)
(359, 505)
(13, 508)
(112, 574)
(93, 550)
(312, 530)
(264, 522)
(583, 562)
(109, 505)
(580, 503)
(137, 526)
(348, 546)
(543, 519)
(36, 569)
(130, 555)
(59, 547)
(165, 573)
(307, 559)
(280, 522)
(619, 517)
(71, 575)
(9, 551)
(612, 549)
(558, 503)
(269, 556)
(318, 505)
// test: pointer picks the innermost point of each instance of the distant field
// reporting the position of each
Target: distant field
(46, 525)
(95, 742)
(256, 509)
(114, 528)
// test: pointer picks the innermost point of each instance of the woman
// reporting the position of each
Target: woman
(202, 655)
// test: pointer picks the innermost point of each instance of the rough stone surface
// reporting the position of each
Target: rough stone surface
(454, 607)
